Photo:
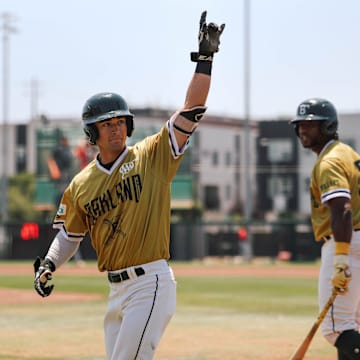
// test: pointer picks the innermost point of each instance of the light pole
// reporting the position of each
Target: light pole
(247, 144)
(34, 99)
(7, 29)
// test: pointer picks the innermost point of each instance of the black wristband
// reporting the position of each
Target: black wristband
(204, 67)
(47, 263)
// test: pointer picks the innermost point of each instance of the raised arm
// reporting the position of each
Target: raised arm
(187, 119)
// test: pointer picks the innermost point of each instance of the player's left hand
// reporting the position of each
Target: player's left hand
(209, 39)
(341, 275)
(43, 272)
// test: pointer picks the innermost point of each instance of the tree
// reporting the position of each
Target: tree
(21, 198)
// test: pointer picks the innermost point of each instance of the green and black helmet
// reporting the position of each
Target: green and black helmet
(104, 106)
(320, 110)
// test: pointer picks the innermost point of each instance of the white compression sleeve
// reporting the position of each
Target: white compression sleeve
(61, 249)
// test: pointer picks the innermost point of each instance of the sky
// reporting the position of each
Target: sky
(66, 51)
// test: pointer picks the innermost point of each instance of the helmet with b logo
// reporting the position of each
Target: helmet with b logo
(317, 109)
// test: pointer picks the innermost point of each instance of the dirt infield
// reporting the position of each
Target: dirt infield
(260, 269)
(14, 296)
(213, 267)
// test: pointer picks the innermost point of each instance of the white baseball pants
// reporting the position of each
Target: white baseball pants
(139, 309)
(345, 313)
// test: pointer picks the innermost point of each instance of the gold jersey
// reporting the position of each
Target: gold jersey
(125, 210)
(336, 173)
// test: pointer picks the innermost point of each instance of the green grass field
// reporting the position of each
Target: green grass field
(217, 318)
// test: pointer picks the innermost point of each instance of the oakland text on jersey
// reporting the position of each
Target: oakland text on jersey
(325, 186)
(128, 189)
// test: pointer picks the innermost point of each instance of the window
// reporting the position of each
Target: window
(228, 192)
(212, 200)
(280, 185)
(20, 158)
(280, 189)
(21, 148)
(237, 142)
(228, 159)
(215, 158)
(279, 150)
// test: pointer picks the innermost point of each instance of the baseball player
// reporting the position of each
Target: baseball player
(122, 199)
(335, 215)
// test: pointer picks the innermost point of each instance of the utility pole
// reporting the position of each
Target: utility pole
(248, 166)
(7, 29)
(34, 99)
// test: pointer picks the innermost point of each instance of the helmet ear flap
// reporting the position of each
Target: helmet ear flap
(91, 133)
(329, 128)
(296, 127)
(129, 126)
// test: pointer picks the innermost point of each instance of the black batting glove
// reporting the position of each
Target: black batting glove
(43, 272)
(209, 40)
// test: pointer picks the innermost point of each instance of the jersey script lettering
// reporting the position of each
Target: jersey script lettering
(128, 189)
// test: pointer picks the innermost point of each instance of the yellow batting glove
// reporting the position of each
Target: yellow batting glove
(342, 275)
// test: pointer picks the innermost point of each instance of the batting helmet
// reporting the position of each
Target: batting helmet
(104, 106)
(317, 109)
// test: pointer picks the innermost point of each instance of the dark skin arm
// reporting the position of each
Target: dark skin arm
(341, 219)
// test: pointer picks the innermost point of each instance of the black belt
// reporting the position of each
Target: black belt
(328, 237)
(119, 277)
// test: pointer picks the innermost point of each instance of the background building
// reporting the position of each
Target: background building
(209, 193)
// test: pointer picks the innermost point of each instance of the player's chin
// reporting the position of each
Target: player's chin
(117, 146)
(305, 142)
(117, 142)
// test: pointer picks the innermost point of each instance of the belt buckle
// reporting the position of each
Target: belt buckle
(114, 278)
(117, 278)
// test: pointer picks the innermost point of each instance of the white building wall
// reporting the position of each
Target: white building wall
(307, 159)
(7, 158)
(222, 141)
(217, 143)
